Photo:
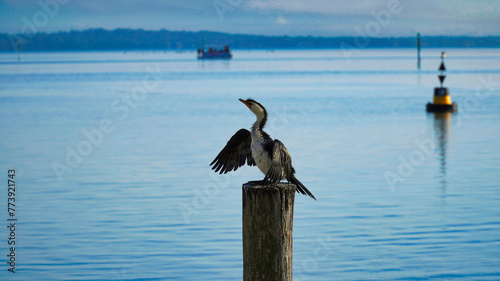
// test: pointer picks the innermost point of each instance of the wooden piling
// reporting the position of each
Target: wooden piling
(268, 231)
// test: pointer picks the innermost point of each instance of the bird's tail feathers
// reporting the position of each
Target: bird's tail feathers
(301, 188)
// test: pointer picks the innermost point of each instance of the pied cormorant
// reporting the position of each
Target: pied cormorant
(255, 147)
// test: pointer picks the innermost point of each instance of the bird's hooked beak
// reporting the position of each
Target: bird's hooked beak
(246, 103)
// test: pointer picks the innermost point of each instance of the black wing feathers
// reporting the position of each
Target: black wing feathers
(234, 155)
(300, 187)
(281, 167)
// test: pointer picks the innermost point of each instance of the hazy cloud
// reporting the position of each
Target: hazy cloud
(281, 20)
(269, 17)
(339, 7)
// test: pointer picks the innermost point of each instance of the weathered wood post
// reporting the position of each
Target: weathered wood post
(267, 231)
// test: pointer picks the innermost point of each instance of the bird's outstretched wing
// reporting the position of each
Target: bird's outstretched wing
(234, 155)
(281, 168)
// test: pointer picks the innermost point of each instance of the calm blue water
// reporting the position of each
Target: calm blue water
(402, 195)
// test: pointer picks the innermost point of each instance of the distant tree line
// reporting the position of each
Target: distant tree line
(138, 39)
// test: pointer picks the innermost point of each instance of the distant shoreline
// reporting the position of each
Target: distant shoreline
(164, 40)
(192, 51)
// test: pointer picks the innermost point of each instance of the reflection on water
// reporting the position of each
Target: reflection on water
(214, 64)
(441, 132)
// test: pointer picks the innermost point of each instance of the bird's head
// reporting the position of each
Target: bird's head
(257, 109)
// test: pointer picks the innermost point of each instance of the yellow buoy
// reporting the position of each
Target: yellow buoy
(442, 99)
(441, 96)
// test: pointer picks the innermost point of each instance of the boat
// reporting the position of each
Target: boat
(213, 53)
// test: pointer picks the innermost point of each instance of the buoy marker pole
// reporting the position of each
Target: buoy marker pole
(418, 50)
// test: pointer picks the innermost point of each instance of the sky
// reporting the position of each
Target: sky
(375, 18)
